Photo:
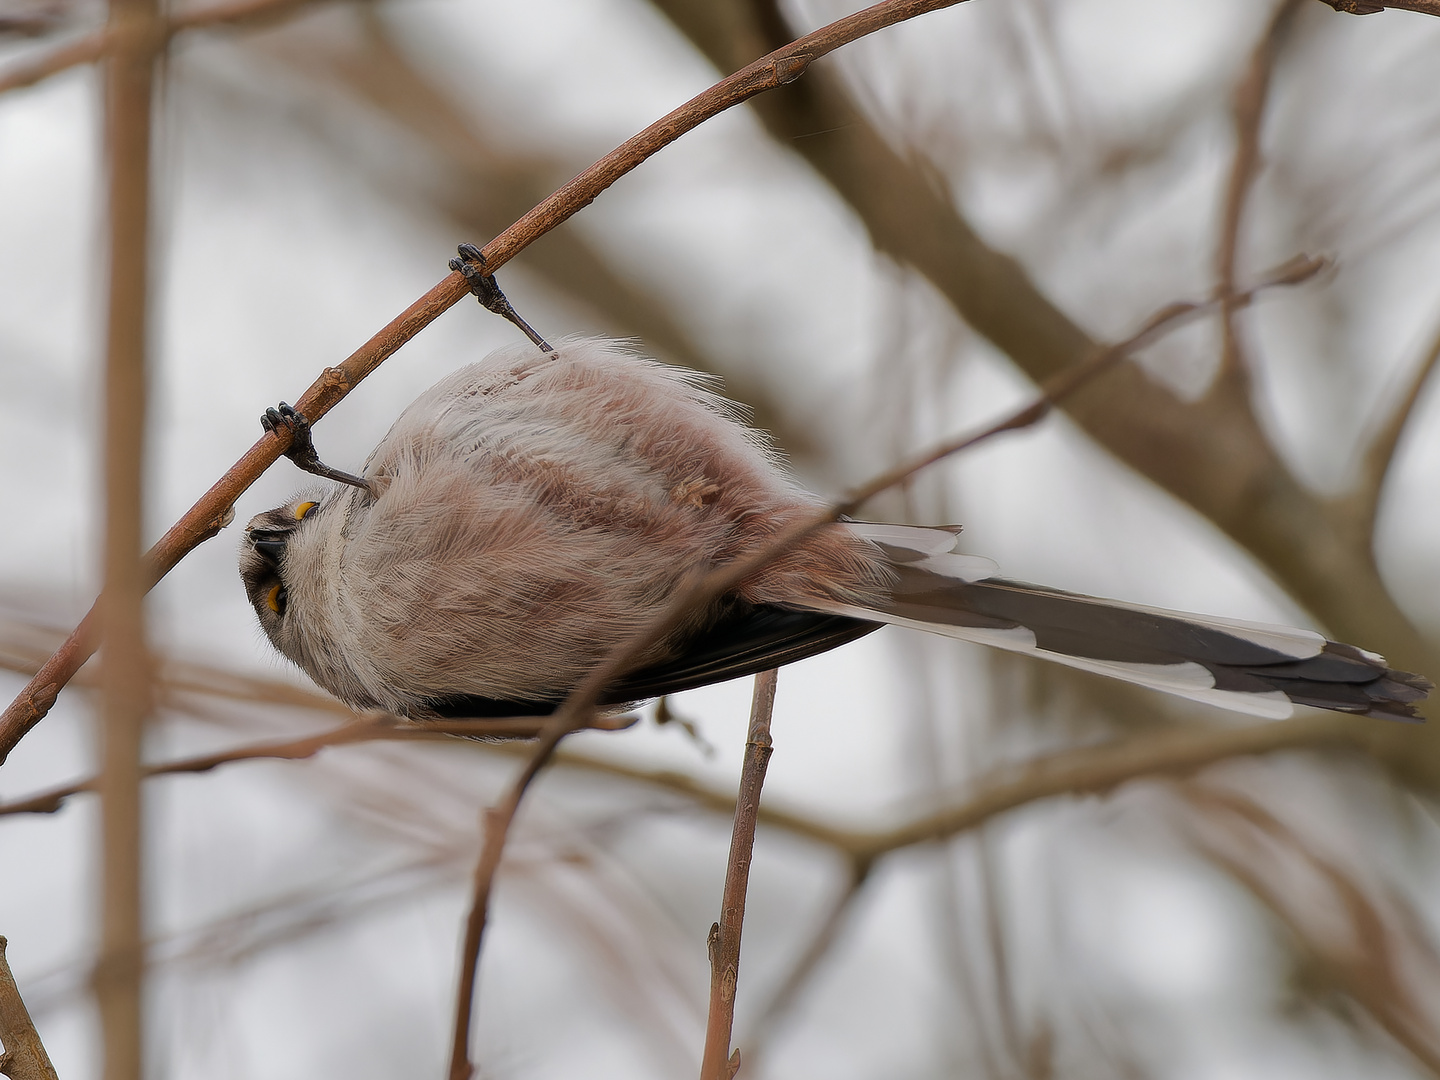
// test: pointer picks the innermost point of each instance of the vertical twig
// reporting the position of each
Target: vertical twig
(495, 824)
(24, 1057)
(1248, 110)
(135, 28)
(718, 1063)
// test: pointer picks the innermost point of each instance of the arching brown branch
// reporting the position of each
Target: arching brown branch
(1371, 7)
(215, 508)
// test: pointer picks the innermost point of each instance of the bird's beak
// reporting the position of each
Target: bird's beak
(270, 545)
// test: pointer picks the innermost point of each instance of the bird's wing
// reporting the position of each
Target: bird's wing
(748, 639)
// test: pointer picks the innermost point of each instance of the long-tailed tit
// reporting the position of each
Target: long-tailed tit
(529, 513)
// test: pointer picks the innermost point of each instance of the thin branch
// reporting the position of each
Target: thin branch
(574, 712)
(1068, 772)
(1375, 466)
(1248, 111)
(495, 824)
(215, 508)
(24, 1056)
(94, 46)
(1370, 7)
(718, 1063)
(1101, 769)
(369, 727)
(1212, 454)
(1053, 392)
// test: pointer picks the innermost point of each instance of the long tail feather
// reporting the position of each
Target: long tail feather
(1254, 668)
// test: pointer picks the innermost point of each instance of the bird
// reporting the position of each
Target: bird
(529, 514)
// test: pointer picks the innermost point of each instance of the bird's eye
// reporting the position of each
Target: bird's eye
(276, 599)
(303, 510)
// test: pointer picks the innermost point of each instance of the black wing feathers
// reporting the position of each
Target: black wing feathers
(746, 640)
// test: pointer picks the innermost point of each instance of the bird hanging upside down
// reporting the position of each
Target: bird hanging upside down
(528, 514)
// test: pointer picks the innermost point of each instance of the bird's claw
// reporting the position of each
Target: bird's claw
(302, 445)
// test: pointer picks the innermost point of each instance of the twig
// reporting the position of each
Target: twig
(1249, 491)
(134, 30)
(495, 828)
(573, 712)
(1102, 768)
(1054, 391)
(216, 507)
(1375, 466)
(24, 1056)
(93, 46)
(1093, 770)
(1370, 7)
(1251, 96)
(718, 1063)
(365, 728)
(1067, 772)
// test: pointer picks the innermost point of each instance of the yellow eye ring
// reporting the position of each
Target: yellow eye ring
(275, 601)
(303, 509)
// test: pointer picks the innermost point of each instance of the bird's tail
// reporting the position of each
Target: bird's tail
(1254, 668)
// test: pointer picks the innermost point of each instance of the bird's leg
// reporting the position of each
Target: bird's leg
(471, 264)
(302, 447)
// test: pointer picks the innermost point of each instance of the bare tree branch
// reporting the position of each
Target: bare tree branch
(364, 728)
(216, 507)
(486, 184)
(1248, 111)
(24, 1056)
(1370, 7)
(1059, 388)
(718, 1063)
(1211, 454)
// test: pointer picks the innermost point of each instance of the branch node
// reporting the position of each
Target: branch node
(789, 68)
(43, 700)
(335, 380)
